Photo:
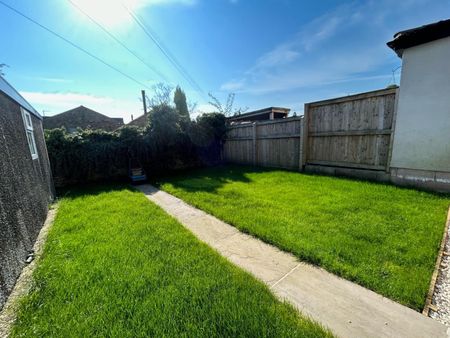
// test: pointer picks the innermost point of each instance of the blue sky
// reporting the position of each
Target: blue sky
(270, 53)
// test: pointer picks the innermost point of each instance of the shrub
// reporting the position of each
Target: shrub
(207, 133)
(97, 155)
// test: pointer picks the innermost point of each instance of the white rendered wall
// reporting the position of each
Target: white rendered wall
(422, 131)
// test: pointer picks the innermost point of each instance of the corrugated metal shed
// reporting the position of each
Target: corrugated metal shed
(9, 90)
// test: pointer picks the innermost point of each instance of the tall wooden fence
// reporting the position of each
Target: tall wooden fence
(349, 132)
(353, 131)
(272, 144)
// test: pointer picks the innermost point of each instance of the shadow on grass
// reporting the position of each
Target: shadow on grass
(211, 179)
(92, 189)
(208, 179)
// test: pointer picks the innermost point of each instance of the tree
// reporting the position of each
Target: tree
(181, 106)
(164, 125)
(179, 98)
(227, 108)
(161, 95)
(207, 134)
(211, 127)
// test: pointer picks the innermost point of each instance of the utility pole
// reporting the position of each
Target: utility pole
(144, 101)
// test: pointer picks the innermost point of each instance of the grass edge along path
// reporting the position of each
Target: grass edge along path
(380, 236)
(115, 264)
(8, 313)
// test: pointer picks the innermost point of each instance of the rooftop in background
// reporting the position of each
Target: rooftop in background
(419, 35)
(84, 118)
(141, 121)
(11, 92)
(270, 113)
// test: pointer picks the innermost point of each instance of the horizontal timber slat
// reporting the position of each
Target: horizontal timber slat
(346, 165)
(362, 96)
(351, 133)
(263, 137)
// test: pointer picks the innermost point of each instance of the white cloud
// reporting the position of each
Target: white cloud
(281, 55)
(55, 103)
(232, 86)
(63, 99)
(53, 79)
(346, 44)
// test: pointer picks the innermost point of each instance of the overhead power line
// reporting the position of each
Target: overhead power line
(157, 41)
(103, 28)
(74, 45)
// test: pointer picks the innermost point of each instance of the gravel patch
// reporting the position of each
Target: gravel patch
(441, 296)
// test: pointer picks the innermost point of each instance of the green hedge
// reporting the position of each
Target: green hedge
(165, 145)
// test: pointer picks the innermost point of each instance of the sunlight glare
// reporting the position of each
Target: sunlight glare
(110, 13)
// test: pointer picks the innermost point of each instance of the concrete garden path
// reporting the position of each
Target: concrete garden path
(348, 309)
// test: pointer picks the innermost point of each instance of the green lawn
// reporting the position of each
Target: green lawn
(380, 236)
(115, 265)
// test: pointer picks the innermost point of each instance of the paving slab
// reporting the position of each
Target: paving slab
(347, 309)
(350, 310)
(264, 261)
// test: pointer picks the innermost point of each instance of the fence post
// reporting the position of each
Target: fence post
(391, 140)
(304, 136)
(300, 145)
(255, 140)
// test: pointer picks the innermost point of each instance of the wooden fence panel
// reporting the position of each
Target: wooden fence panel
(239, 145)
(352, 131)
(271, 144)
(239, 151)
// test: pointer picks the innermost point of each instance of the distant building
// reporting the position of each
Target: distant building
(270, 113)
(26, 186)
(421, 149)
(141, 121)
(84, 118)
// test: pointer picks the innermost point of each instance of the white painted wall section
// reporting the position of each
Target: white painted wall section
(422, 131)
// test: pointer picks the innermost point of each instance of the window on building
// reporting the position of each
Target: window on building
(30, 135)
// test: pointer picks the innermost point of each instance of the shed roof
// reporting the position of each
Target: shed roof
(14, 95)
(419, 35)
(260, 112)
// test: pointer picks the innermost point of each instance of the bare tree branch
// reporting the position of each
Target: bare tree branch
(216, 104)
(228, 109)
(162, 95)
(192, 106)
